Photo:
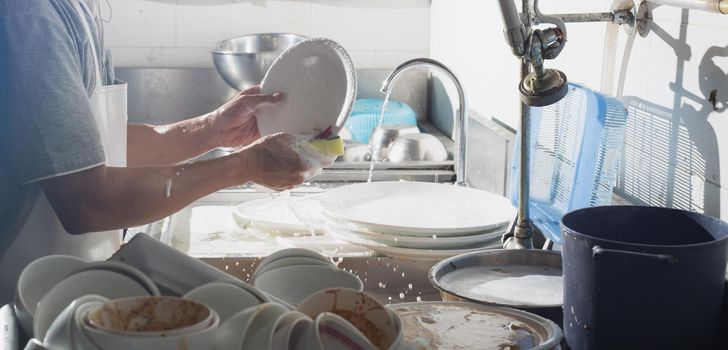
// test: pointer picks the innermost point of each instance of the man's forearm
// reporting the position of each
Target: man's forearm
(107, 198)
(171, 144)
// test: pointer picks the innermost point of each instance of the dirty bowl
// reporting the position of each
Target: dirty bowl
(417, 148)
(152, 323)
(243, 61)
(367, 314)
(383, 136)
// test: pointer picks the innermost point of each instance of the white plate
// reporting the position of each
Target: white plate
(406, 253)
(318, 80)
(277, 216)
(435, 242)
(417, 208)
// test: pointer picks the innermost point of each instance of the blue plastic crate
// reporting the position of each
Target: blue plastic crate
(576, 146)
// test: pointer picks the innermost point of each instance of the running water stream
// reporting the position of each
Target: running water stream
(379, 124)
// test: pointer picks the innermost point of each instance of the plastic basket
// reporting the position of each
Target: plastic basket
(576, 146)
(365, 117)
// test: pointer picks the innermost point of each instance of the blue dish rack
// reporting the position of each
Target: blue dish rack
(576, 147)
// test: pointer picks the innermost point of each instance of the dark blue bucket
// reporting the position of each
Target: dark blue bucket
(642, 278)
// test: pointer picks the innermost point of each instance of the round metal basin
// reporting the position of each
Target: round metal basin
(458, 276)
(243, 61)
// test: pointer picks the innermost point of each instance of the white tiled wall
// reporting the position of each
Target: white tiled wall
(169, 33)
(675, 137)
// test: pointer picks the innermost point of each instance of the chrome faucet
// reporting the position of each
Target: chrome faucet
(461, 121)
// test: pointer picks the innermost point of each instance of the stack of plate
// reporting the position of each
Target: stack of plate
(417, 219)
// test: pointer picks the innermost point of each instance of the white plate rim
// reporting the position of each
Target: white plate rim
(284, 229)
(415, 242)
(349, 71)
(408, 253)
(329, 208)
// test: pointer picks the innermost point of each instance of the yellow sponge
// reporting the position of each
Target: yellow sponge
(331, 147)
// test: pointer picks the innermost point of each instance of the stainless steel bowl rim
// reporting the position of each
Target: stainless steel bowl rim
(219, 50)
(549, 330)
(449, 263)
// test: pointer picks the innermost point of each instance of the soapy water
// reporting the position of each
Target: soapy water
(379, 124)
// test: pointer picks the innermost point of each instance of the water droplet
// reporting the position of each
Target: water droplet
(434, 236)
(401, 295)
(420, 299)
(390, 298)
(410, 285)
(226, 267)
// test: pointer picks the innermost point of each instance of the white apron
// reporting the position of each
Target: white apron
(42, 233)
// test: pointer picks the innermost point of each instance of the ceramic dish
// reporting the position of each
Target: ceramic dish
(278, 217)
(364, 312)
(226, 299)
(334, 332)
(291, 252)
(36, 280)
(284, 329)
(108, 284)
(318, 80)
(417, 208)
(306, 279)
(292, 261)
(409, 253)
(231, 334)
(262, 326)
(486, 238)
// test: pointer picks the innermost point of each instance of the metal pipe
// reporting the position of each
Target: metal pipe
(717, 6)
(586, 17)
(522, 235)
(513, 28)
(617, 17)
(461, 120)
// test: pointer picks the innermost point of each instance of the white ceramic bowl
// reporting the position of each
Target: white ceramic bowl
(283, 330)
(108, 284)
(318, 80)
(225, 298)
(36, 280)
(151, 316)
(290, 252)
(261, 328)
(336, 333)
(292, 261)
(293, 284)
(232, 332)
(124, 269)
(60, 332)
(367, 314)
(164, 323)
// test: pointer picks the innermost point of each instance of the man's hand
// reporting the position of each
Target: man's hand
(235, 122)
(275, 161)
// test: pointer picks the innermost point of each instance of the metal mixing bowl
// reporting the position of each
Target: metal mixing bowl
(243, 61)
(416, 148)
(383, 136)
